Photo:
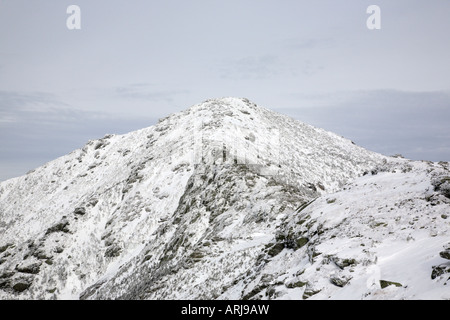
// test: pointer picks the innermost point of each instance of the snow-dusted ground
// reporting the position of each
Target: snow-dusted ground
(226, 200)
(390, 226)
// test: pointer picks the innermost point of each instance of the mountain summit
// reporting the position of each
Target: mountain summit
(226, 200)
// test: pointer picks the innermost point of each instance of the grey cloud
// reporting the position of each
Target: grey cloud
(143, 91)
(414, 124)
(37, 128)
(22, 99)
(15, 106)
(250, 67)
(308, 43)
(310, 68)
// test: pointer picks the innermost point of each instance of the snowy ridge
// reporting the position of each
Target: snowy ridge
(387, 227)
(225, 200)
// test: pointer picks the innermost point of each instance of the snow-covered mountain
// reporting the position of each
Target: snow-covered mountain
(226, 200)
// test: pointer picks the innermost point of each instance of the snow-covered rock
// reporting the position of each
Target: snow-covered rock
(226, 200)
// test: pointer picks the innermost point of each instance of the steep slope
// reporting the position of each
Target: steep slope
(200, 205)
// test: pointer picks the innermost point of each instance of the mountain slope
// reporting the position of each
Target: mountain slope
(384, 236)
(207, 204)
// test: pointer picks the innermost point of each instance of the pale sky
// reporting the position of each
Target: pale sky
(135, 61)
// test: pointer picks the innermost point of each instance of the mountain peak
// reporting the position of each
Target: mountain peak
(223, 106)
(213, 202)
(230, 102)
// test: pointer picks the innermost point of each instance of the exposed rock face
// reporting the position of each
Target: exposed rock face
(226, 200)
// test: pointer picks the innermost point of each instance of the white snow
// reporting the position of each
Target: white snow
(210, 203)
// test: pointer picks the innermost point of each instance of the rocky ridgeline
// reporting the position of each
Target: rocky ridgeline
(225, 200)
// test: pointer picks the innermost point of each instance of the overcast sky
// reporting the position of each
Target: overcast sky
(135, 61)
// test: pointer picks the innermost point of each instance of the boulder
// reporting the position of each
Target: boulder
(385, 284)
(80, 211)
(21, 283)
(29, 267)
(440, 270)
(445, 254)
